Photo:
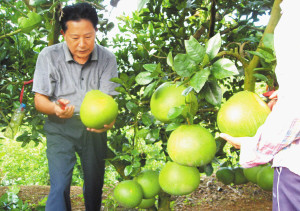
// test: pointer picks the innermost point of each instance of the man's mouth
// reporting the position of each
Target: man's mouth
(85, 51)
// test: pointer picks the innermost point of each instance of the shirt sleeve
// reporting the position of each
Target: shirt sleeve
(43, 79)
(277, 133)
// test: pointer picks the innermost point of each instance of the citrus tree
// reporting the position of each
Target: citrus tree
(211, 48)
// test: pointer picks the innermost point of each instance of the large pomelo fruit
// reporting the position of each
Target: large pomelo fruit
(225, 175)
(179, 180)
(191, 145)
(265, 178)
(169, 95)
(239, 176)
(242, 114)
(149, 182)
(128, 193)
(147, 203)
(98, 109)
(251, 173)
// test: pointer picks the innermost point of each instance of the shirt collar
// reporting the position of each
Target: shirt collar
(69, 57)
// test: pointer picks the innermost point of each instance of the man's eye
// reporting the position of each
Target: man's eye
(75, 38)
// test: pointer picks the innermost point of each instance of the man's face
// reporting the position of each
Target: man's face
(80, 38)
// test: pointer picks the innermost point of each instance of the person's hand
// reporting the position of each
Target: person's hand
(273, 100)
(104, 129)
(234, 141)
(62, 110)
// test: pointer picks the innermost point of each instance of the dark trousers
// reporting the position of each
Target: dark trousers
(65, 138)
(286, 190)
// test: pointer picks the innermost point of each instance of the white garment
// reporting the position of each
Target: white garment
(287, 108)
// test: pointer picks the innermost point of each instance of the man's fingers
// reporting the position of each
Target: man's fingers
(232, 140)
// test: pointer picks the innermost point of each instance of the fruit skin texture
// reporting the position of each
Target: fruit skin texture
(167, 96)
(191, 145)
(179, 180)
(98, 109)
(128, 193)
(225, 175)
(148, 180)
(251, 173)
(147, 203)
(265, 178)
(242, 114)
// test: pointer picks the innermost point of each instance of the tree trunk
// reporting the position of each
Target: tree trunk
(249, 70)
(55, 28)
(164, 201)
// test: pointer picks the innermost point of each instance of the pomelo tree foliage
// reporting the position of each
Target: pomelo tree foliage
(213, 47)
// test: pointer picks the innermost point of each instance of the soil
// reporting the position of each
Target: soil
(211, 195)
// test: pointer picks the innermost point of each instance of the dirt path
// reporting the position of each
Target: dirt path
(211, 195)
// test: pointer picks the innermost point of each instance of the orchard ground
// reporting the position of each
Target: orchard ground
(211, 195)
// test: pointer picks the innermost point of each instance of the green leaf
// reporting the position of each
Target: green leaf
(194, 49)
(27, 24)
(184, 65)
(213, 93)
(150, 89)
(199, 79)
(224, 68)
(175, 112)
(142, 4)
(37, 2)
(170, 60)
(121, 89)
(268, 40)
(205, 60)
(150, 67)
(131, 106)
(208, 169)
(142, 133)
(117, 80)
(146, 119)
(144, 78)
(152, 136)
(213, 46)
(261, 77)
(128, 170)
(172, 126)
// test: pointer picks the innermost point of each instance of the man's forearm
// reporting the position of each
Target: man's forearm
(43, 104)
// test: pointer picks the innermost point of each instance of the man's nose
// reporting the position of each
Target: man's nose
(81, 42)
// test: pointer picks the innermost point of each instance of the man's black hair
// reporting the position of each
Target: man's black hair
(77, 12)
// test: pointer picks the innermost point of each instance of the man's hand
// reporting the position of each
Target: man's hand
(273, 100)
(234, 141)
(62, 110)
(104, 129)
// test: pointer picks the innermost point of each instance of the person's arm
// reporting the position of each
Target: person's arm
(44, 105)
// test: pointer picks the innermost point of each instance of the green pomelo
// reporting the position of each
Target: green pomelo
(179, 180)
(98, 109)
(191, 145)
(265, 178)
(128, 193)
(225, 175)
(242, 114)
(251, 173)
(239, 177)
(169, 95)
(147, 203)
(149, 182)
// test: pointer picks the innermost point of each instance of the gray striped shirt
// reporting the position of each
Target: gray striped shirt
(57, 75)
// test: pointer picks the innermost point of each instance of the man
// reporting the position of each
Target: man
(278, 139)
(64, 73)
